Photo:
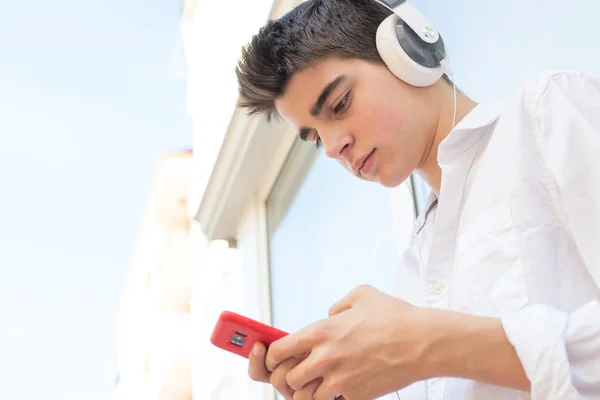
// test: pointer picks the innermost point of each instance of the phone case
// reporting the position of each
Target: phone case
(237, 334)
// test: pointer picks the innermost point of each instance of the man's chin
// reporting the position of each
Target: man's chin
(391, 182)
(387, 181)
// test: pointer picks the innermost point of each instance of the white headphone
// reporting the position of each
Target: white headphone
(410, 45)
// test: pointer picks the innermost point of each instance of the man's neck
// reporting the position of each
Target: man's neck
(429, 169)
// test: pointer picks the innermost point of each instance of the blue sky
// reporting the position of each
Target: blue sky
(91, 95)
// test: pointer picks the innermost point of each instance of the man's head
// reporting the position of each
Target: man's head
(318, 67)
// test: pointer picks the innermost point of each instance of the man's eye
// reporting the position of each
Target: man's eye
(318, 142)
(342, 105)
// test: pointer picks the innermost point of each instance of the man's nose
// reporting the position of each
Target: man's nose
(338, 145)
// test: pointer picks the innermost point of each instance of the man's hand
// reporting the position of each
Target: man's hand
(371, 345)
(374, 344)
(258, 371)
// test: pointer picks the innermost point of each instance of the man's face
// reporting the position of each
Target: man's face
(375, 125)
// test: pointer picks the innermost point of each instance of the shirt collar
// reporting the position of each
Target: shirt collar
(459, 140)
(464, 135)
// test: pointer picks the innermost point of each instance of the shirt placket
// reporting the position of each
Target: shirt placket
(438, 271)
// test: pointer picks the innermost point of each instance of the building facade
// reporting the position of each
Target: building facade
(297, 232)
(153, 330)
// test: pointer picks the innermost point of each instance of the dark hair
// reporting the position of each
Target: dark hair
(313, 30)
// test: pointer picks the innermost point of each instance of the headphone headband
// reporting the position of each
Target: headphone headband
(413, 18)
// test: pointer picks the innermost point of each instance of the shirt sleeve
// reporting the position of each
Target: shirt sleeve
(560, 352)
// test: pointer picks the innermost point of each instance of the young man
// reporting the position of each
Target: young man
(508, 250)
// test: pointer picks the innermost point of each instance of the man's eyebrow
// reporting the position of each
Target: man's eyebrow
(331, 86)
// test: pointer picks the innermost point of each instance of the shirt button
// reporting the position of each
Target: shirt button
(437, 288)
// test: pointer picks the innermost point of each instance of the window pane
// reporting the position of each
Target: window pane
(420, 192)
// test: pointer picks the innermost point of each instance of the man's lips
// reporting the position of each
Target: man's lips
(360, 162)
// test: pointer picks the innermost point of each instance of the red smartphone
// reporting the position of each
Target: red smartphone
(237, 334)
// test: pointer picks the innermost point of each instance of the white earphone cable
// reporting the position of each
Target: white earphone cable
(448, 70)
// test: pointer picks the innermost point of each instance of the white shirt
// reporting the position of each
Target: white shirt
(516, 235)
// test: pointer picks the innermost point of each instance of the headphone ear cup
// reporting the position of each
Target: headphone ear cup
(397, 58)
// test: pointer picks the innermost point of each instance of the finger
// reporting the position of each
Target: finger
(297, 344)
(349, 300)
(341, 306)
(307, 392)
(315, 366)
(326, 391)
(257, 370)
(279, 381)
